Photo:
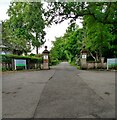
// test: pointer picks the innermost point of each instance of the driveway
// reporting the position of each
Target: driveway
(69, 94)
(62, 92)
(21, 92)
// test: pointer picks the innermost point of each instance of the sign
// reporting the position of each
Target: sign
(20, 62)
(111, 62)
(45, 56)
(84, 56)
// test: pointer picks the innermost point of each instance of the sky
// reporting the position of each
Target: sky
(51, 32)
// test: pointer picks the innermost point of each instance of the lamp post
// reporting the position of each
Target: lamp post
(46, 59)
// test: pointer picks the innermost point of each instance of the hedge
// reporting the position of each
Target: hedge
(8, 58)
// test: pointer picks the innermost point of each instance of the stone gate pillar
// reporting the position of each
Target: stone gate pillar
(46, 59)
(83, 60)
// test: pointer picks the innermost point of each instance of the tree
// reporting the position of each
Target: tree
(25, 28)
(58, 49)
(15, 33)
(104, 12)
(73, 38)
(99, 25)
(14, 39)
(36, 24)
(68, 46)
(98, 37)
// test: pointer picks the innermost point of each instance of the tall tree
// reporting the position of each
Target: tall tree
(36, 23)
(14, 40)
(98, 37)
(100, 23)
(68, 46)
(25, 28)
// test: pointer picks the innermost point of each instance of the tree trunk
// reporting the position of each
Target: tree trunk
(37, 51)
(97, 57)
(25, 53)
(93, 56)
(100, 55)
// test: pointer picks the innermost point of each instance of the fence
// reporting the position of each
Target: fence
(96, 65)
(9, 66)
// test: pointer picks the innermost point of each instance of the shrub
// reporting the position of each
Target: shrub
(54, 62)
(8, 58)
(32, 54)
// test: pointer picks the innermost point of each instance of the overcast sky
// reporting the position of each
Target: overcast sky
(51, 32)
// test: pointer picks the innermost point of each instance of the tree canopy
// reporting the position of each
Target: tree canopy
(25, 28)
(104, 12)
(98, 35)
(68, 46)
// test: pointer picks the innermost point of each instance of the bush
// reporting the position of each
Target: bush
(4, 69)
(32, 54)
(54, 62)
(5, 58)
(8, 58)
(78, 67)
(72, 63)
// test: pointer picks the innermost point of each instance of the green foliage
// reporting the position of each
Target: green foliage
(78, 67)
(99, 27)
(8, 58)
(98, 37)
(36, 23)
(103, 12)
(24, 28)
(68, 46)
(3, 69)
(74, 64)
(32, 54)
(54, 62)
(57, 52)
(15, 33)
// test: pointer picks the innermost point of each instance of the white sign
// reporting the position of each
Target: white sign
(84, 56)
(111, 62)
(45, 56)
(20, 62)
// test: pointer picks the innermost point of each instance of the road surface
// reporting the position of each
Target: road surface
(62, 92)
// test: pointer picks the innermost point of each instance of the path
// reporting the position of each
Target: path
(22, 91)
(69, 96)
(62, 92)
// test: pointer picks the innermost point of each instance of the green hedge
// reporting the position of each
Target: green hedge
(8, 58)
(54, 62)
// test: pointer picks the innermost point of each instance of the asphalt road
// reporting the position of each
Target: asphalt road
(62, 92)
(21, 92)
